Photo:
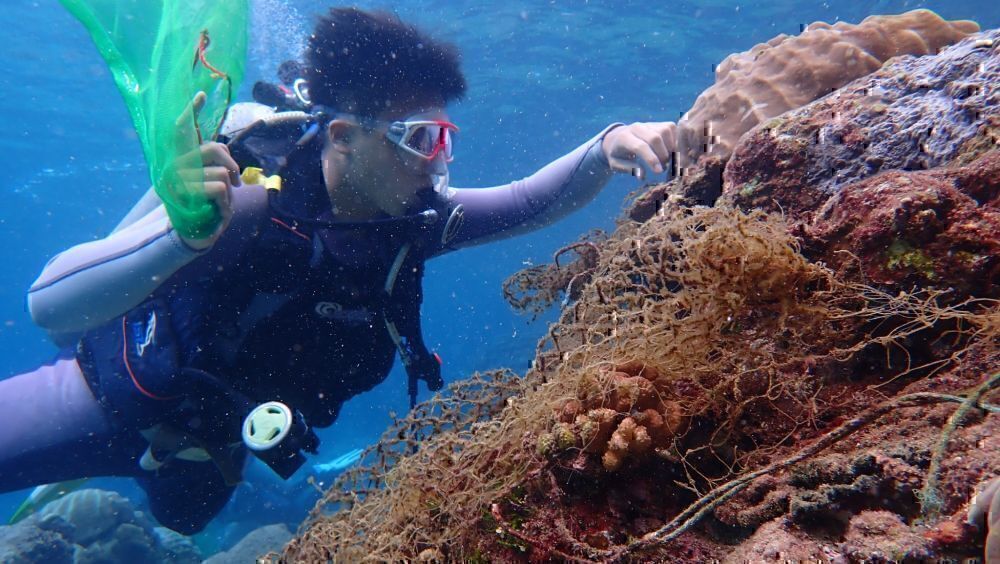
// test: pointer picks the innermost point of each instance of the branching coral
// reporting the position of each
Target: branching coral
(620, 413)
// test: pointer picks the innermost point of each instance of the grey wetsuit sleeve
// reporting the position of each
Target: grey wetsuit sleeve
(87, 285)
(149, 202)
(550, 194)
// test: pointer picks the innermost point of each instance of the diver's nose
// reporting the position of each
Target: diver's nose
(438, 165)
(437, 169)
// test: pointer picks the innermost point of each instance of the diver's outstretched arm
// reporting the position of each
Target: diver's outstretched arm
(563, 186)
(553, 192)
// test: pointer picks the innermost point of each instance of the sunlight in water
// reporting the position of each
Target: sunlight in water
(277, 34)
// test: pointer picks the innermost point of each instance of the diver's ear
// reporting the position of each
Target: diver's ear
(339, 134)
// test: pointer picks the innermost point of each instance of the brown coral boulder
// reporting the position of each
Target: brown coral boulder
(777, 541)
(912, 114)
(789, 72)
(881, 536)
(930, 228)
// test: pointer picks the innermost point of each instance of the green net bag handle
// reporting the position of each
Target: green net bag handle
(161, 53)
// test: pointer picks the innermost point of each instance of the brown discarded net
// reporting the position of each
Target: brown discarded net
(701, 344)
(536, 288)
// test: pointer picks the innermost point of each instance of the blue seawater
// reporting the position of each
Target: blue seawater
(544, 76)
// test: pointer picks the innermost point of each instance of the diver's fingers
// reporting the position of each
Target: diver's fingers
(188, 119)
(625, 150)
(206, 174)
(621, 165)
(639, 152)
(661, 137)
(651, 134)
(198, 103)
(217, 174)
(217, 154)
(221, 194)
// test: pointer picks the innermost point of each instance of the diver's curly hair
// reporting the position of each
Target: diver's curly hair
(365, 62)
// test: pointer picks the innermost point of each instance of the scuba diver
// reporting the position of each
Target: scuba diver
(184, 355)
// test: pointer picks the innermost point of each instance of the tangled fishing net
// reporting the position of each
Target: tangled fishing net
(701, 347)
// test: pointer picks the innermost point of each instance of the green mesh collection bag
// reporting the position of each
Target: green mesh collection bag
(161, 53)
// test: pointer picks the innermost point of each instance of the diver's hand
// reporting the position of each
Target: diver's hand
(628, 147)
(219, 174)
(214, 167)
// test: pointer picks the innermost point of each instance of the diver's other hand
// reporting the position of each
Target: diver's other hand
(629, 147)
(220, 174)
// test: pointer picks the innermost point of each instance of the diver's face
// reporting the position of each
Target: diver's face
(387, 178)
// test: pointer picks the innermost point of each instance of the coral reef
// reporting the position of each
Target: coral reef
(788, 72)
(747, 348)
(778, 542)
(90, 526)
(44, 541)
(931, 228)
(254, 545)
(912, 114)
(799, 363)
(882, 536)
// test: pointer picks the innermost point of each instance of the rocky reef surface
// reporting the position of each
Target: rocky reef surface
(91, 526)
(788, 72)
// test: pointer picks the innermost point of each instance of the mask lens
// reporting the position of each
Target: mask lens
(422, 139)
(427, 139)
